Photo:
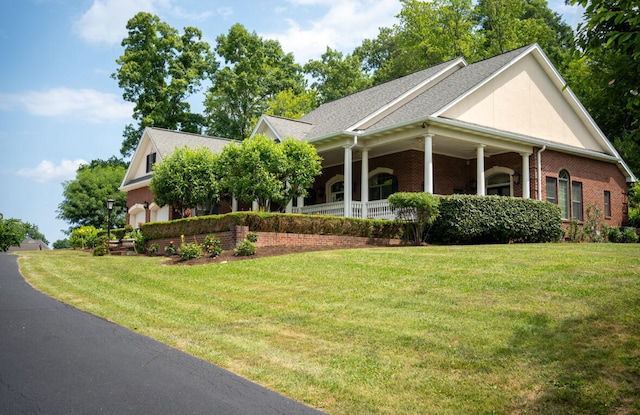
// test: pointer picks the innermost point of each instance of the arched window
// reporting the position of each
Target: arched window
(382, 185)
(499, 184)
(563, 194)
(335, 189)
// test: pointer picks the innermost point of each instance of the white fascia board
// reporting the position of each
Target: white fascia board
(413, 91)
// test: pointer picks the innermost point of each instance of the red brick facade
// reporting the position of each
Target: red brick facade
(453, 175)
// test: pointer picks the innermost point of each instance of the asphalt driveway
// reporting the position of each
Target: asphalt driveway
(55, 359)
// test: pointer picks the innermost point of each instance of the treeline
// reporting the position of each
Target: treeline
(249, 75)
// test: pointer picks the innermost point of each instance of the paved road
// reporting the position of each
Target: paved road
(55, 359)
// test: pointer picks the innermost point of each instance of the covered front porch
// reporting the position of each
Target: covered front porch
(361, 170)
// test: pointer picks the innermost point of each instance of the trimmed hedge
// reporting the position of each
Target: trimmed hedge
(467, 219)
(275, 222)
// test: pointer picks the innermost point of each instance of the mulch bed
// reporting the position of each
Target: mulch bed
(262, 252)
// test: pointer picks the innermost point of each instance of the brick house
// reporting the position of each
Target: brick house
(507, 125)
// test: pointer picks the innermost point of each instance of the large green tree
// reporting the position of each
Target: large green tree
(187, 178)
(12, 233)
(31, 231)
(610, 39)
(431, 32)
(336, 76)
(259, 169)
(158, 71)
(85, 197)
(255, 70)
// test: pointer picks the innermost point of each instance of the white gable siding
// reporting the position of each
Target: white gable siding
(523, 100)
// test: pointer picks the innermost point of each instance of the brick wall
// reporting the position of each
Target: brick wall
(596, 177)
(229, 240)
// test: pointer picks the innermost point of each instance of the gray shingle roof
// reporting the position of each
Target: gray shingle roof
(287, 127)
(166, 141)
(339, 115)
(343, 113)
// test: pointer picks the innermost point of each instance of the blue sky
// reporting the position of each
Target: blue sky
(59, 106)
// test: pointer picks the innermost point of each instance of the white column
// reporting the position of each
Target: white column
(254, 206)
(364, 182)
(300, 203)
(428, 163)
(348, 180)
(526, 191)
(480, 170)
(234, 204)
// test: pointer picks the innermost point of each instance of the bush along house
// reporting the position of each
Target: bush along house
(507, 126)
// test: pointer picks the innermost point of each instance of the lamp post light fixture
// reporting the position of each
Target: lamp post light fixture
(109, 209)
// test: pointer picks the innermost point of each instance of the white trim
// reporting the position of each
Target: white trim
(500, 170)
(335, 179)
(379, 170)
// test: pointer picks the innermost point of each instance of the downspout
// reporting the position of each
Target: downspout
(540, 172)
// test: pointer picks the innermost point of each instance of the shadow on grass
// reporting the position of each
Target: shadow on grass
(584, 366)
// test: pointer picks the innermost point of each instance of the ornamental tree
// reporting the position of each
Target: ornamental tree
(187, 178)
(259, 169)
(12, 233)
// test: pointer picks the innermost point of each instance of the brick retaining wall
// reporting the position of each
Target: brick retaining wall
(229, 239)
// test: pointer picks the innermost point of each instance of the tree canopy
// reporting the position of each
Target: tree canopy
(255, 71)
(187, 178)
(12, 233)
(159, 69)
(262, 170)
(85, 197)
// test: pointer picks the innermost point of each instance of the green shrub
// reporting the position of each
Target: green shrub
(85, 237)
(245, 248)
(252, 237)
(190, 250)
(102, 246)
(275, 222)
(170, 249)
(634, 217)
(629, 236)
(420, 210)
(614, 234)
(152, 249)
(470, 219)
(212, 245)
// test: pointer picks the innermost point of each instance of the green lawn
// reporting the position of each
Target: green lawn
(535, 329)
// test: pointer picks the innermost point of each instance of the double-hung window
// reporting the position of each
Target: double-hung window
(607, 203)
(567, 195)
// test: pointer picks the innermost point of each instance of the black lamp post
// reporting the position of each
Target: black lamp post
(109, 209)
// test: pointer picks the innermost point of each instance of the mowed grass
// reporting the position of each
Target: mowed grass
(506, 329)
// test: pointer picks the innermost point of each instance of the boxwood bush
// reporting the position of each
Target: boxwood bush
(274, 222)
(467, 219)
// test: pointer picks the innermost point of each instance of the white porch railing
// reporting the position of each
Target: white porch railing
(377, 209)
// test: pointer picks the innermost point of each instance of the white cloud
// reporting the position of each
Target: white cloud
(343, 27)
(83, 104)
(106, 20)
(46, 171)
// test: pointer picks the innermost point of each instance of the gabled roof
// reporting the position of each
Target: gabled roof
(348, 112)
(436, 94)
(164, 142)
(282, 127)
